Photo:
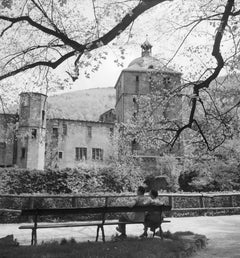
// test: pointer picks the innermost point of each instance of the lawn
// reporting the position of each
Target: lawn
(129, 248)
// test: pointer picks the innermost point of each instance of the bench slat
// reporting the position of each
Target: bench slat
(61, 225)
(81, 224)
(95, 210)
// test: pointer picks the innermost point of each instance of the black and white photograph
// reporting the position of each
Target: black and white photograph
(119, 128)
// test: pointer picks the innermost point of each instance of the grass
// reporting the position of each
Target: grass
(129, 248)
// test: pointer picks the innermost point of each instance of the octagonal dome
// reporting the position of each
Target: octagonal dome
(150, 63)
(147, 62)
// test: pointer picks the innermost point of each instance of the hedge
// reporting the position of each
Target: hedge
(67, 181)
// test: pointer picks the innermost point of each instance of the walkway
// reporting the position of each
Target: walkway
(223, 233)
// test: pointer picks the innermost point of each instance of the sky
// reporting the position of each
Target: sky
(107, 74)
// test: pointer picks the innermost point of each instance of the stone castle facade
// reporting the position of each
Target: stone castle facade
(31, 140)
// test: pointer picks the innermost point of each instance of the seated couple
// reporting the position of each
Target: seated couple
(150, 220)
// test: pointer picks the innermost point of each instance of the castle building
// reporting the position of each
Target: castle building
(31, 140)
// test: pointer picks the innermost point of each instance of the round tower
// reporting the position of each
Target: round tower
(31, 130)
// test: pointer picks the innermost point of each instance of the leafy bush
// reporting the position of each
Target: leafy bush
(217, 176)
(85, 179)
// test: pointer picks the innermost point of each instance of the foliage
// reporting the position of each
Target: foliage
(125, 167)
(85, 179)
(213, 171)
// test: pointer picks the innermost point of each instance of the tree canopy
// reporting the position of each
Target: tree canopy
(38, 36)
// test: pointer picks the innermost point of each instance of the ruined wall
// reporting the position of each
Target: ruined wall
(64, 136)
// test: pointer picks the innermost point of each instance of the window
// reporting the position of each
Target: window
(111, 131)
(64, 129)
(55, 132)
(43, 116)
(166, 80)
(135, 145)
(60, 155)
(135, 104)
(34, 133)
(23, 153)
(137, 84)
(25, 101)
(2, 145)
(89, 129)
(97, 154)
(80, 153)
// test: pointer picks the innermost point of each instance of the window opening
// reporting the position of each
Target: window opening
(23, 153)
(2, 145)
(166, 80)
(111, 131)
(81, 153)
(34, 133)
(64, 129)
(89, 129)
(137, 84)
(60, 154)
(25, 101)
(55, 132)
(43, 116)
(97, 154)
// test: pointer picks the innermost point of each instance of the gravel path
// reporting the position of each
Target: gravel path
(223, 233)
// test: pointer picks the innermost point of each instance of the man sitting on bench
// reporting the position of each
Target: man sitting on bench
(154, 218)
(133, 216)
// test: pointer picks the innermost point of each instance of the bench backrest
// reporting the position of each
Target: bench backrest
(95, 210)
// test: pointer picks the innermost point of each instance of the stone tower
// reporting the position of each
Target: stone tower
(135, 81)
(143, 76)
(31, 130)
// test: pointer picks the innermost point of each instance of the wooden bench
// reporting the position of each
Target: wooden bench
(103, 211)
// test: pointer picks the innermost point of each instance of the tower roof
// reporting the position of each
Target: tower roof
(146, 48)
(147, 62)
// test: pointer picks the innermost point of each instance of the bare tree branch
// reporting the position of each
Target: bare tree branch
(142, 6)
(205, 84)
(39, 63)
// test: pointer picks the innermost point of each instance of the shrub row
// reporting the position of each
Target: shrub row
(67, 181)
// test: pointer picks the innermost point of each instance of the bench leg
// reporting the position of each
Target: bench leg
(161, 232)
(98, 227)
(103, 235)
(34, 237)
(154, 232)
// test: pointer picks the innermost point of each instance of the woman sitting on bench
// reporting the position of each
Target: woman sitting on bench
(133, 216)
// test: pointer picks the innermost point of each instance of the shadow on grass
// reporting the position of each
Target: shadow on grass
(171, 247)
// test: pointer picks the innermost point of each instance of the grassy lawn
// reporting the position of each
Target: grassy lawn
(129, 248)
